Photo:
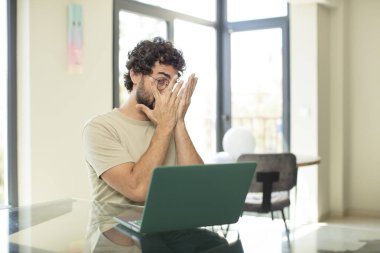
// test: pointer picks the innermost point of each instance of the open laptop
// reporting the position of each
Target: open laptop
(200, 239)
(182, 197)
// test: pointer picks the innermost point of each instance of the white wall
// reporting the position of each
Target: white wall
(304, 104)
(338, 111)
(336, 48)
(363, 103)
(355, 139)
(54, 104)
(324, 105)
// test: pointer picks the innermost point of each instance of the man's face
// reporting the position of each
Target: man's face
(160, 79)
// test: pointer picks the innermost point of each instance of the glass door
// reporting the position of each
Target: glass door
(200, 56)
(257, 86)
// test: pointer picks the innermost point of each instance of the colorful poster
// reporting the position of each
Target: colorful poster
(75, 38)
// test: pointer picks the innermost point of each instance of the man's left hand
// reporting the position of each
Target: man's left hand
(185, 97)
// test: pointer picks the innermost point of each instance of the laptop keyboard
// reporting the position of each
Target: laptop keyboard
(135, 223)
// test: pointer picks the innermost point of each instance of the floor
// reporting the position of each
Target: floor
(351, 234)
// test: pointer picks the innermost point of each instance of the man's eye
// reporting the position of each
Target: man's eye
(161, 81)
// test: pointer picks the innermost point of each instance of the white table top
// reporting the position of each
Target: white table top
(306, 160)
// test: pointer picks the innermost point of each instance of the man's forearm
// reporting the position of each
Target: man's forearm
(186, 152)
(154, 156)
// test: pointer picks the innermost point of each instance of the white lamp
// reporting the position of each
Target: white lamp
(237, 141)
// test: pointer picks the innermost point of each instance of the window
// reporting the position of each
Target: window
(239, 10)
(190, 7)
(200, 56)
(256, 86)
(137, 21)
(259, 48)
(132, 29)
(3, 98)
(8, 104)
(246, 84)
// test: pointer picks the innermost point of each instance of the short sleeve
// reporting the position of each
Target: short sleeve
(102, 148)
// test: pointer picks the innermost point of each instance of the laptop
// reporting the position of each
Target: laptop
(200, 239)
(182, 197)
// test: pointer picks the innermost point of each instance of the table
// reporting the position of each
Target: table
(304, 196)
(73, 225)
(304, 160)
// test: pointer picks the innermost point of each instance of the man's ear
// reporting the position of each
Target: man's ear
(135, 77)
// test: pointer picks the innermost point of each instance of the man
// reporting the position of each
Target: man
(123, 147)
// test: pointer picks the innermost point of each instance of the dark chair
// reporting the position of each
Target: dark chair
(275, 176)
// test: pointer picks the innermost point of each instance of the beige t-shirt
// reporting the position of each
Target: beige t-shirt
(112, 139)
(101, 221)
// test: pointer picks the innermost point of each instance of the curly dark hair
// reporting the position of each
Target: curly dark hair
(143, 57)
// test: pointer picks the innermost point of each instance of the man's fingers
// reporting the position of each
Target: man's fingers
(155, 91)
(148, 112)
(143, 108)
(191, 82)
(195, 81)
(182, 91)
(177, 88)
(172, 83)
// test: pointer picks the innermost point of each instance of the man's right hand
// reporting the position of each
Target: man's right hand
(166, 104)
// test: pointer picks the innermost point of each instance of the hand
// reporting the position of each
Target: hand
(166, 104)
(185, 97)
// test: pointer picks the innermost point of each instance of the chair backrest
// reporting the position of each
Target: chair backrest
(284, 163)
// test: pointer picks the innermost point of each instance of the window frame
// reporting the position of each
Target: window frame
(11, 140)
(149, 10)
(223, 33)
(283, 24)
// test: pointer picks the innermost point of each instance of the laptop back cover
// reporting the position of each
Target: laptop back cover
(192, 196)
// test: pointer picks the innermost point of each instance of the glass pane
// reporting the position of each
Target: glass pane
(205, 9)
(239, 10)
(256, 86)
(3, 97)
(132, 29)
(200, 56)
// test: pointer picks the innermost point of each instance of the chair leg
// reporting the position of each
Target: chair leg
(225, 231)
(271, 213)
(283, 217)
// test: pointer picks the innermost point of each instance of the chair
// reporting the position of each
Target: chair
(275, 176)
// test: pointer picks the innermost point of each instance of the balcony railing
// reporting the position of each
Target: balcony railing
(267, 132)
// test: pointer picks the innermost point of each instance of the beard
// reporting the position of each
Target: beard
(142, 96)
